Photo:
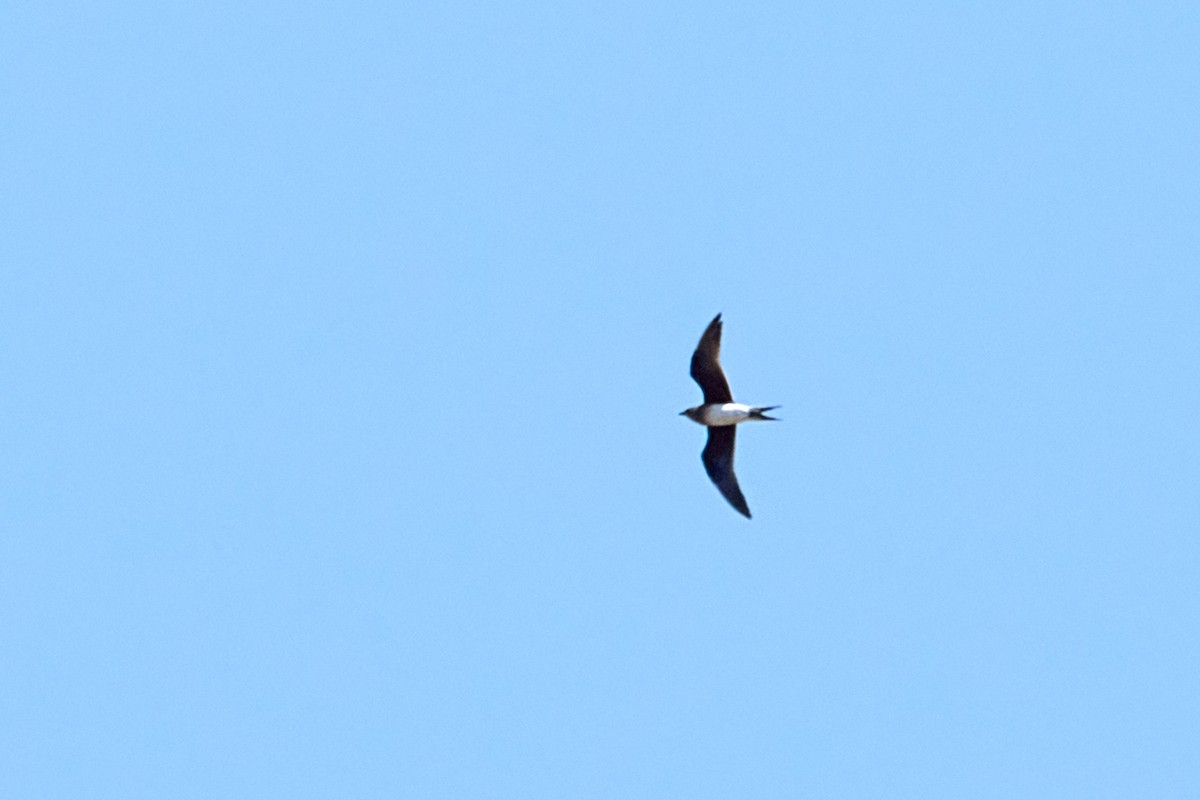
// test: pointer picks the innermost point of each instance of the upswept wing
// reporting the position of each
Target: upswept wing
(706, 366)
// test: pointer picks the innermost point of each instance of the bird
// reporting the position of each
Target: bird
(720, 415)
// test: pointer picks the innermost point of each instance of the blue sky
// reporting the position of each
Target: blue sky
(343, 347)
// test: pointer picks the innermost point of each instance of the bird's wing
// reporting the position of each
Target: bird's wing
(718, 463)
(706, 365)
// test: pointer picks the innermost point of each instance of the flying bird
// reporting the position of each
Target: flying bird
(720, 415)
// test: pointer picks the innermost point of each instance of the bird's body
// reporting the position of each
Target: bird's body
(720, 414)
(716, 414)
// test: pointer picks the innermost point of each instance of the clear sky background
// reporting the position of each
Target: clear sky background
(342, 348)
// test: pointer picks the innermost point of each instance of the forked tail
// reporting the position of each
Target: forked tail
(757, 413)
